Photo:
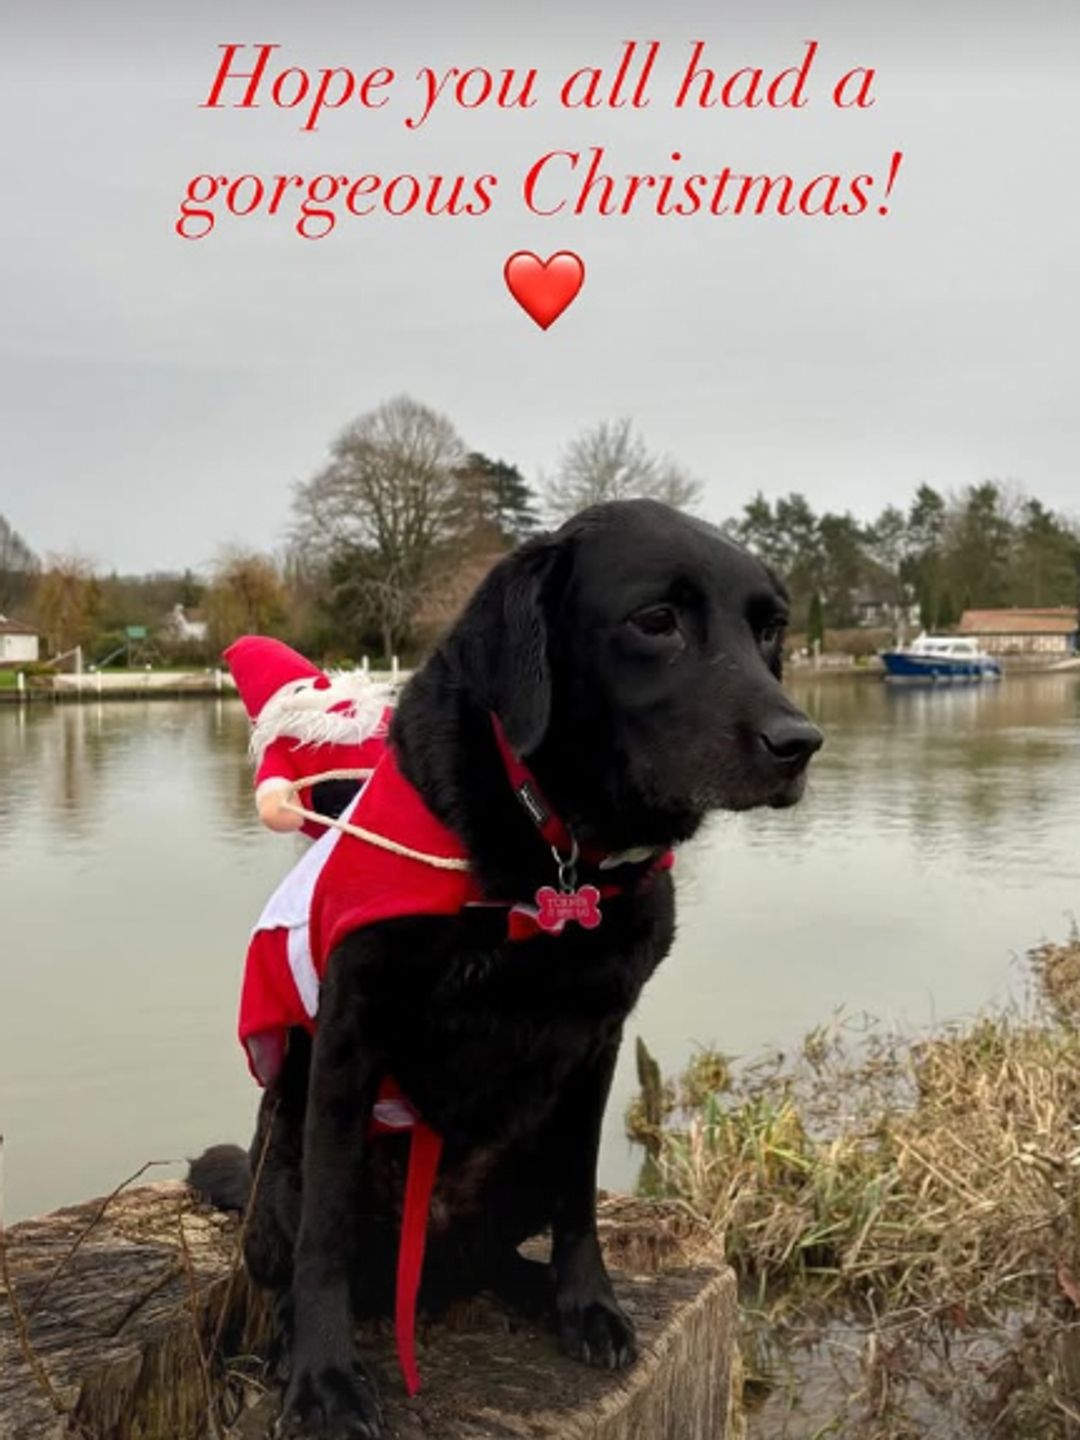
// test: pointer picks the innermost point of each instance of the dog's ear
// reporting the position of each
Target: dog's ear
(504, 643)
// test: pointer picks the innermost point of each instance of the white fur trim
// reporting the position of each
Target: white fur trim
(346, 712)
(289, 909)
(303, 969)
(272, 782)
(290, 904)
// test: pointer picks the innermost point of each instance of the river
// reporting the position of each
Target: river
(939, 838)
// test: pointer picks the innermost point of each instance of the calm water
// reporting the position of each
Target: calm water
(940, 838)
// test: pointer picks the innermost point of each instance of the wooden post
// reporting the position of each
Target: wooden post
(122, 1321)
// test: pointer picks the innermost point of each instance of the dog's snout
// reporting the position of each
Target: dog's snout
(791, 740)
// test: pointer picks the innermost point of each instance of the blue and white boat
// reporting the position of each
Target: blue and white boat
(940, 657)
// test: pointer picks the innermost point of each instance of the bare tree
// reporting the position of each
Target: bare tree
(381, 507)
(388, 486)
(365, 601)
(18, 566)
(611, 462)
(68, 601)
(246, 597)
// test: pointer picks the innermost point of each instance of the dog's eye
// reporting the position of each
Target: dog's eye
(657, 620)
(769, 630)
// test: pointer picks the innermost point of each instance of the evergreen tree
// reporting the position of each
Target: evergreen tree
(979, 546)
(843, 545)
(1047, 552)
(788, 537)
(925, 529)
(19, 567)
(492, 506)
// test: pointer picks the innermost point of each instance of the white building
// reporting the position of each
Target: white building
(190, 629)
(19, 644)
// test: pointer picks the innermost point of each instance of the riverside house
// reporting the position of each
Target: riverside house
(19, 644)
(1050, 632)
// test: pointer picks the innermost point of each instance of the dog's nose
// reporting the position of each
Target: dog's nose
(791, 740)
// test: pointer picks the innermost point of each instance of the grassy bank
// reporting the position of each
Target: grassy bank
(904, 1215)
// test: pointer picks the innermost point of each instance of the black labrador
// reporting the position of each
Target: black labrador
(633, 658)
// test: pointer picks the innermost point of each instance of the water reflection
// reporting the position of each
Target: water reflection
(972, 766)
(985, 754)
(940, 835)
(63, 763)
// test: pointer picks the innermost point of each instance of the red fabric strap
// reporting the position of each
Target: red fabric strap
(425, 1148)
(524, 785)
(393, 1114)
(541, 812)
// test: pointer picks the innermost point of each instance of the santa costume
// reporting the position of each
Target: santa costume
(305, 723)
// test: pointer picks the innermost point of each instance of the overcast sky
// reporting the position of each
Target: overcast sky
(159, 398)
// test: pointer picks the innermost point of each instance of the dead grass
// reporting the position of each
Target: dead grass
(912, 1204)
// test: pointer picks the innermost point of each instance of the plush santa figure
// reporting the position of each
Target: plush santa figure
(305, 723)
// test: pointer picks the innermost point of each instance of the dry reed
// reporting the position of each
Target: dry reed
(916, 1203)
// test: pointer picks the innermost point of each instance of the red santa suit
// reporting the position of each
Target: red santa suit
(342, 884)
(411, 864)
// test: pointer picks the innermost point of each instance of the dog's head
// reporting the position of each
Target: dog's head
(634, 659)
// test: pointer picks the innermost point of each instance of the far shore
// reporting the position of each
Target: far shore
(100, 685)
(95, 686)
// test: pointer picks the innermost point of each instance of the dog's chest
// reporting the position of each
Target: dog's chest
(500, 1028)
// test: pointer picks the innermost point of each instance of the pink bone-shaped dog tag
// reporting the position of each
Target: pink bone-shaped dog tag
(556, 907)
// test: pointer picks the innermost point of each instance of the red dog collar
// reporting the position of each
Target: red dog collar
(554, 908)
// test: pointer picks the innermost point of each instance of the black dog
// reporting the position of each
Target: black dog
(633, 657)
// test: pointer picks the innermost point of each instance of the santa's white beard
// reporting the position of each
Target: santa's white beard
(348, 711)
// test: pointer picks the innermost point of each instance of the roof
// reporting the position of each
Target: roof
(15, 627)
(1055, 620)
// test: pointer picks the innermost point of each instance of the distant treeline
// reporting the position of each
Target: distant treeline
(392, 533)
(987, 546)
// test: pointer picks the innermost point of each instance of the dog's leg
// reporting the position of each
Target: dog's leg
(591, 1325)
(273, 1210)
(329, 1396)
(274, 1170)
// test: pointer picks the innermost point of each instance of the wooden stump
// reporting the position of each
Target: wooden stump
(137, 1324)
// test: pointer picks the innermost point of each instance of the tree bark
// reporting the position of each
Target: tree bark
(137, 1324)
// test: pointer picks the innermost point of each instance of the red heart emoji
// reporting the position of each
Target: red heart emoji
(544, 288)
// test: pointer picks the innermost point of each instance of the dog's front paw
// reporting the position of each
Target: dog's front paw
(330, 1402)
(596, 1330)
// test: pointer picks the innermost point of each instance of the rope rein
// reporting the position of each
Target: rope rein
(439, 862)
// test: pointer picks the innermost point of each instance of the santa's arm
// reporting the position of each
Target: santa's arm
(270, 803)
(274, 781)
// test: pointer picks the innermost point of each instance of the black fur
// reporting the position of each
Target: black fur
(222, 1175)
(634, 658)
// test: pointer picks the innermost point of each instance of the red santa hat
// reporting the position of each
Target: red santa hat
(262, 667)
